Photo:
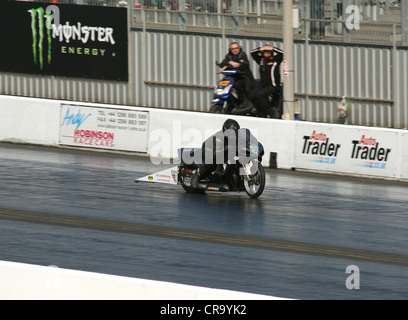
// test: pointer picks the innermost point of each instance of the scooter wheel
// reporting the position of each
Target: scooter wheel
(216, 108)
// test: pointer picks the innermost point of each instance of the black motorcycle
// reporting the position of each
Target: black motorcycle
(245, 174)
(235, 177)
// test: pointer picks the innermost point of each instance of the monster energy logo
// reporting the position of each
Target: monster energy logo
(40, 31)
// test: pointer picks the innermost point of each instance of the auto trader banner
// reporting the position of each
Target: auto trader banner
(64, 40)
(355, 150)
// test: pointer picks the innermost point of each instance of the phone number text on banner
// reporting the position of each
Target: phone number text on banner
(104, 128)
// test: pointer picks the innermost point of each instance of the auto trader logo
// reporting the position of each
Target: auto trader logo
(369, 154)
(41, 34)
(320, 148)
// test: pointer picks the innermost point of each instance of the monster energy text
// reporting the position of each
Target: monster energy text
(83, 33)
(42, 29)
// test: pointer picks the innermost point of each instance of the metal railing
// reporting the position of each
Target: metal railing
(113, 3)
(369, 32)
(380, 21)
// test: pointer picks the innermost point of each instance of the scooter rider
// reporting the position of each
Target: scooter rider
(223, 145)
(269, 59)
(236, 58)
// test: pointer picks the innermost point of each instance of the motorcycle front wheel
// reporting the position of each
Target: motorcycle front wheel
(255, 184)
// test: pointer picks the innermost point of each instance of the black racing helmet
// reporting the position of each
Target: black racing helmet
(230, 124)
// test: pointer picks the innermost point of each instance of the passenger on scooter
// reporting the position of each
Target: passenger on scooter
(269, 59)
(219, 146)
(236, 58)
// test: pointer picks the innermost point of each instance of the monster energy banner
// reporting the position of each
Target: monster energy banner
(64, 40)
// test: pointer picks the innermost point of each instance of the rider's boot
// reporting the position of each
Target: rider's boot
(221, 176)
(224, 187)
(243, 108)
(244, 103)
(194, 179)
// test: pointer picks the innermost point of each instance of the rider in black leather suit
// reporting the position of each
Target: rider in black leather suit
(220, 148)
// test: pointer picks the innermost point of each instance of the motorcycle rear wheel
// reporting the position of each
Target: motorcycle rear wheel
(255, 184)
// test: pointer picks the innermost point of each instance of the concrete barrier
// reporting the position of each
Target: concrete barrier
(340, 149)
(29, 120)
(20, 281)
(42, 121)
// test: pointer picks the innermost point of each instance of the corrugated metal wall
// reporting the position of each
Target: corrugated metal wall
(180, 70)
(325, 73)
(63, 88)
(401, 90)
(177, 70)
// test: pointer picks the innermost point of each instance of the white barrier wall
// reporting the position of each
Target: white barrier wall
(376, 152)
(353, 150)
(27, 282)
(51, 122)
(29, 120)
(190, 129)
(404, 155)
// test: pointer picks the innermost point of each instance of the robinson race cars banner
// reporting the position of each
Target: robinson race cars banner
(64, 40)
(104, 128)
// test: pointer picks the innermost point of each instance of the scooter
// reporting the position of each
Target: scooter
(225, 97)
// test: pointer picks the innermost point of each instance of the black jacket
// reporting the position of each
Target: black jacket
(269, 68)
(244, 68)
(217, 146)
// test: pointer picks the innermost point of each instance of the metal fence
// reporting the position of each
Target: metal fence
(379, 22)
(184, 76)
(367, 65)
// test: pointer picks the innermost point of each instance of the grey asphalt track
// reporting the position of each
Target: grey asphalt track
(82, 210)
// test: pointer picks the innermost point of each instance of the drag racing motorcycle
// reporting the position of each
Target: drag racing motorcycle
(225, 97)
(230, 177)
